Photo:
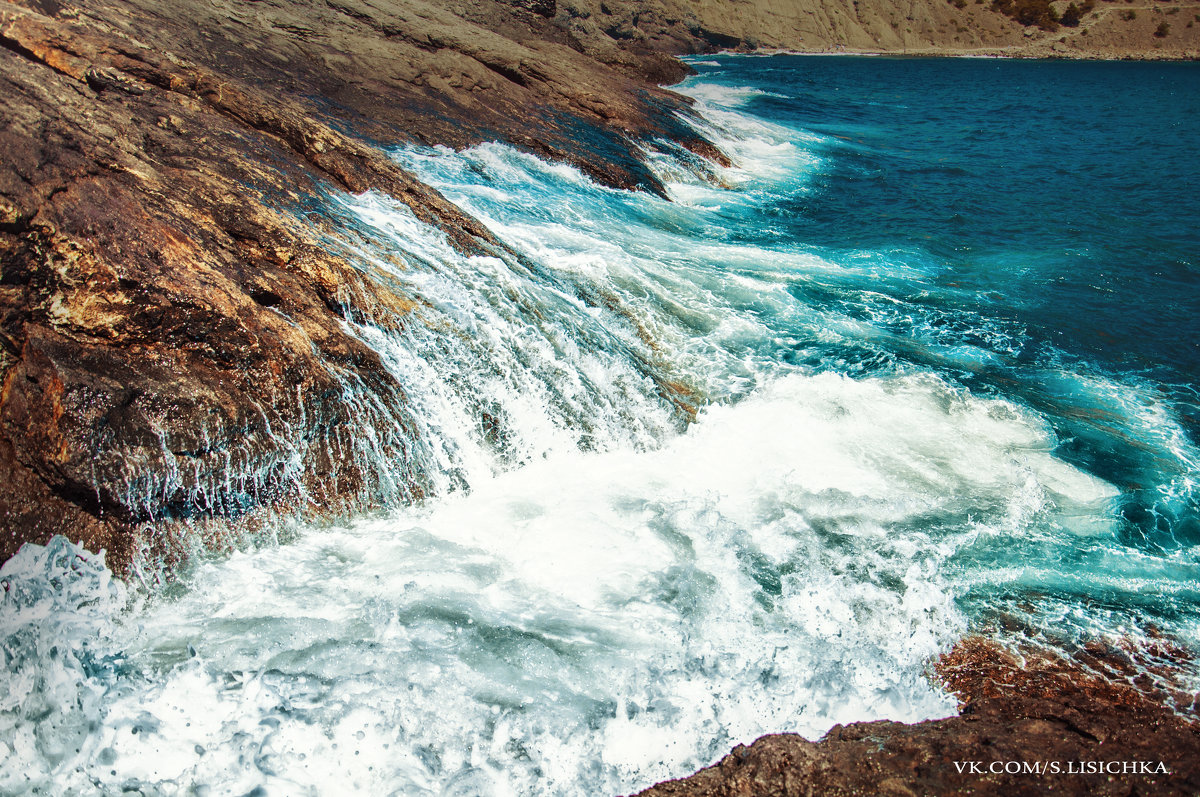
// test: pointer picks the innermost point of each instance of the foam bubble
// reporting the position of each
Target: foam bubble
(589, 601)
(593, 622)
(57, 605)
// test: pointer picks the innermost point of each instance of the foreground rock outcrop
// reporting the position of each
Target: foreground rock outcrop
(1032, 722)
(172, 344)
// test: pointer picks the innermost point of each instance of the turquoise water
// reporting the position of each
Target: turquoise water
(938, 326)
(1040, 216)
(1055, 201)
(1045, 213)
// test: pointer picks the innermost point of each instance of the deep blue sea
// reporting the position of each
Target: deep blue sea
(1034, 230)
(937, 325)
(1046, 213)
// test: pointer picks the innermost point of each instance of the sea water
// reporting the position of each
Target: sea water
(938, 328)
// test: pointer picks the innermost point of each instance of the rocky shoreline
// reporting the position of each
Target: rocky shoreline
(167, 309)
(1032, 722)
(169, 314)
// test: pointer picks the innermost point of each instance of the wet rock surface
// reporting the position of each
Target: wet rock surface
(172, 337)
(169, 314)
(171, 322)
(1108, 721)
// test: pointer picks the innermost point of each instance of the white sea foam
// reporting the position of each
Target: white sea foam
(590, 623)
(610, 602)
(764, 153)
(56, 609)
(728, 96)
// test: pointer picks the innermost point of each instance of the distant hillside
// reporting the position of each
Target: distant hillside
(1034, 28)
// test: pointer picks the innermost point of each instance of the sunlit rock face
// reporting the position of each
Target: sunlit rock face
(437, 462)
(177, 298)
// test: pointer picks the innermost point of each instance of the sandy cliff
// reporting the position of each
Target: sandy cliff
(1105, 30)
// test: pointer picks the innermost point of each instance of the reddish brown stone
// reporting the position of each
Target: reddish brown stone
(169, 316)
(1020, 707)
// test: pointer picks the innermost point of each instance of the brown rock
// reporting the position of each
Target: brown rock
(171, 324)
(171, 346)
(1021, 708)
